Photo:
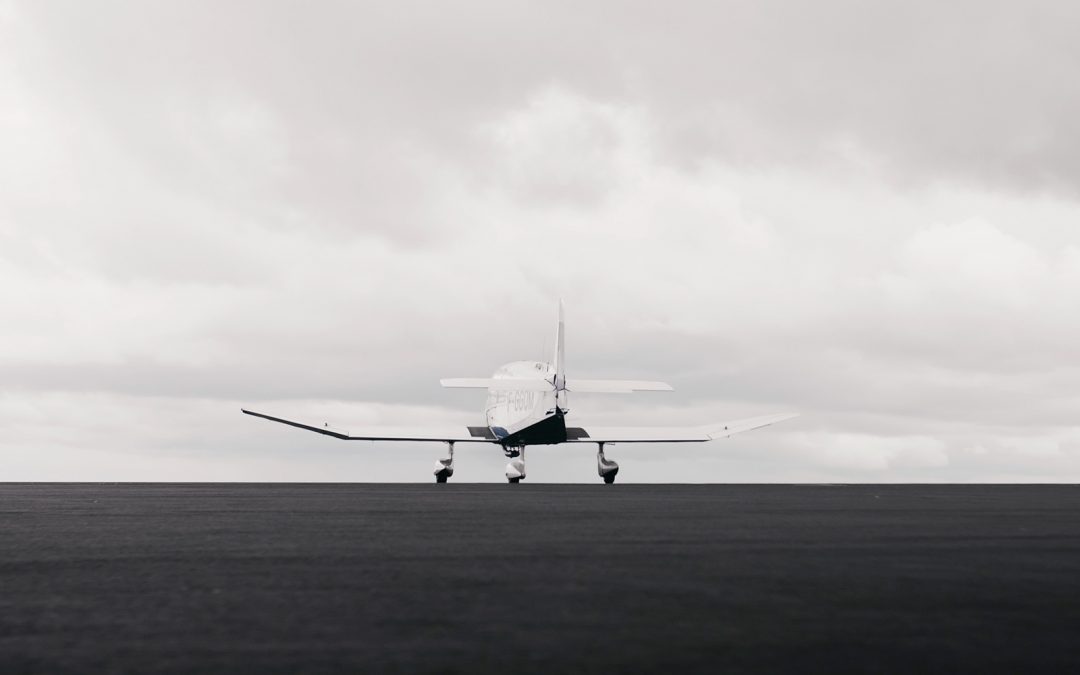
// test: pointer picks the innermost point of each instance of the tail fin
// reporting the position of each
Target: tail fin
(560, 354)
(560, 364)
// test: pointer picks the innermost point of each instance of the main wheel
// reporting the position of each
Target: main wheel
(610, 478)
(440, 479)
(514, 480)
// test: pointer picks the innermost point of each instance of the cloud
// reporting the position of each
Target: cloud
(852, 211)
(861, 452)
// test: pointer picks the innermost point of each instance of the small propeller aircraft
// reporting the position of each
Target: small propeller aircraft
(527, 405)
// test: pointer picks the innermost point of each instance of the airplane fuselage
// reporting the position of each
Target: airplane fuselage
(518, 417)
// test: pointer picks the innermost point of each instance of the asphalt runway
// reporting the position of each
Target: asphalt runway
(538, 578)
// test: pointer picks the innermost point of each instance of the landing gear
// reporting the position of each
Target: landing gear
(444, 468)
(605, 467)
(515, 470)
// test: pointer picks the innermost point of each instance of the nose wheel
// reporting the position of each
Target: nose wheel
(515, 470)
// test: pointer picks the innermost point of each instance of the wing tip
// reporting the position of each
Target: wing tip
(730, 429)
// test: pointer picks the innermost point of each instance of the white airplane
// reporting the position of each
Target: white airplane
(526, 405)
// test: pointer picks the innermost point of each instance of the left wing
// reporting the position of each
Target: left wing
(454, 434)
(709, 432)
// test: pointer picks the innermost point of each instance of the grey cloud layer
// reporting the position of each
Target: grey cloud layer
(223, 98)
(862, 211)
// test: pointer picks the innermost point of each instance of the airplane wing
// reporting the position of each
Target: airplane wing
(455, 434)
(709, 432)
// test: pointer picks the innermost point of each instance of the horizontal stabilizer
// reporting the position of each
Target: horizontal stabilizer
(614, 386)
(498, 383)
(456, 434)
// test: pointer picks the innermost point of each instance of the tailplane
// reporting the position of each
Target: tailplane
(614, 386)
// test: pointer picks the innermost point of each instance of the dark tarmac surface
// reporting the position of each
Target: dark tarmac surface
(538, 578)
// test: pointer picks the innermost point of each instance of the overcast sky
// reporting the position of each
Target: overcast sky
(866, 212)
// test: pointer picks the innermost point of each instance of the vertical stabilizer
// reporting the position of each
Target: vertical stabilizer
(560, 363)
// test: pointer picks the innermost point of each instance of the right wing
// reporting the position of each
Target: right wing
(709, 432)
(454, 434)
